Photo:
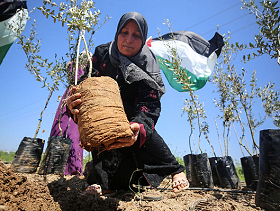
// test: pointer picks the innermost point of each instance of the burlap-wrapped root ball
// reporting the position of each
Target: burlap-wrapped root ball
(101, 118)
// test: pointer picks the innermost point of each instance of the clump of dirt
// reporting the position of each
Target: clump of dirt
(17, 193)
(22, 191)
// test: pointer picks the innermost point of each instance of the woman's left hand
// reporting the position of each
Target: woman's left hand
(128, 141)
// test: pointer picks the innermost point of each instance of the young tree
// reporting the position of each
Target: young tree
(237, 96)
(80, 20)
(193, 107)
(226, 103)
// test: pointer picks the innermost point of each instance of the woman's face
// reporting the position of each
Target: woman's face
(129, 39)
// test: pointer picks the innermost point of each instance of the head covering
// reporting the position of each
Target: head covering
(139, 20)
(142, 66)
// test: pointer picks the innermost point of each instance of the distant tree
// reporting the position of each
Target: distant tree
(267, 41)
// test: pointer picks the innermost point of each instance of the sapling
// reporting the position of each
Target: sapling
(31, 48)
(35, 63)
(247, 101)
(226, 102)
(77, 18)
(193, 108)
(235, 95)
(219, 137)
(80, 19)
(222, 79)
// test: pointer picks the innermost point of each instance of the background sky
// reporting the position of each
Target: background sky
(22, 98)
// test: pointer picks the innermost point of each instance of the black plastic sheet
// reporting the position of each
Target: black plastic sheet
(225, 169)
(198, 170)
(28, 155)
(250, 170)
(56, 155)
(213, 163)
(190, 171)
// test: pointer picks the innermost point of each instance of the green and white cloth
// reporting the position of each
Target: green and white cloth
(13, 17)
(198, 56)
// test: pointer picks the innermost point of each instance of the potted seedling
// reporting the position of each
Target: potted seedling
(250, 164)
(198, 167)
(28, 156)
(57, 71)
(81, 20)
(182, 78)
(234, 99)
(269, 151)
(267, 41)
(223, 166)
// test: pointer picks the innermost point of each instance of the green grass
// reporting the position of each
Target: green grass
(240, 174)
(239, 171)
(180, 160)
(87, 158)
(7, 156)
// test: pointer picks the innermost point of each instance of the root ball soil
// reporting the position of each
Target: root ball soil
(101, 118)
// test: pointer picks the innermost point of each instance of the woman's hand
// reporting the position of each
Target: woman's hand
(72, 101)
(128, 141)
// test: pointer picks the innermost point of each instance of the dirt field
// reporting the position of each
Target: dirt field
(51, 192)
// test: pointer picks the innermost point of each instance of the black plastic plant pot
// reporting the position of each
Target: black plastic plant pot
(190, 171)
(198, 170)
(256, 159)
(213, 163)
(227, 173)
(28, 155)
(250, 170)
(56, 155)
(268, 189)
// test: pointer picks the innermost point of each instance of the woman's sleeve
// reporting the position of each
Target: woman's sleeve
(147, 111)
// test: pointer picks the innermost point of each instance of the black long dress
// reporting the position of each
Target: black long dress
(149, 160)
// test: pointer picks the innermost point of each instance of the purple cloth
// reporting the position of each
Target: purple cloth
(74, 165)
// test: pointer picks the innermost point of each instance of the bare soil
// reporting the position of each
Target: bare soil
(21, 191)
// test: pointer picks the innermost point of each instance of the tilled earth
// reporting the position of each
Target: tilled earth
(19, 191)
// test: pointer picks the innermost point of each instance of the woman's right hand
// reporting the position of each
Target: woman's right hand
(127, 141)
(72, 101)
